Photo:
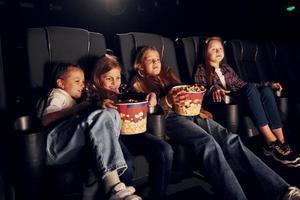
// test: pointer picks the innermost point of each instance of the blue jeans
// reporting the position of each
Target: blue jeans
(213, 147)
(100, 129)
(159, 155)
(261, 104)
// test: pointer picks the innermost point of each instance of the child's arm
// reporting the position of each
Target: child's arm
(107, 103)
(57, 115)
(151, 98)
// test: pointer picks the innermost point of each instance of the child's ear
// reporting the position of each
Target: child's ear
(60, 83)
(140, 67)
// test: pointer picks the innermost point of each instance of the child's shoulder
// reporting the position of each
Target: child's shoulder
(60, 94)
(57, 92)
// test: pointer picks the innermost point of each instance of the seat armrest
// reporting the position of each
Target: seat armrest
(30, 157)
(283, 105)
(156, 122)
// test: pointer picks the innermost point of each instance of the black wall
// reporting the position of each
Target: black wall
(228, 18)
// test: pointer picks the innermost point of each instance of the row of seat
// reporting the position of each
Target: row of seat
(44, 47)
(251, 60)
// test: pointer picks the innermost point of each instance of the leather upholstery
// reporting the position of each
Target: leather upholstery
(64, 44)
(252, 62)
(129, 43)
(46, 46)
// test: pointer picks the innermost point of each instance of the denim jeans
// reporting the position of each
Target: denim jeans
(213, 147)
(261, 103)
(159, 155)
(100, 129)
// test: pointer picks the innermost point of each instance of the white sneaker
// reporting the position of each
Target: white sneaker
(293, 193)
(123, 192)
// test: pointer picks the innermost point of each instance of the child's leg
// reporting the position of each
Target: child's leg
(104, 128)
(272, 112)
(265, 179)
(252, 97)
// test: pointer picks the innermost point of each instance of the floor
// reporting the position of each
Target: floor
(193, 188)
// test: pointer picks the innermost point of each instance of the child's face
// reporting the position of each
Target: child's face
(111, 80)
(72, 82)
(215, 52)
(151, 64)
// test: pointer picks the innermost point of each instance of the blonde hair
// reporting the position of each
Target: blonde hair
(104, 65)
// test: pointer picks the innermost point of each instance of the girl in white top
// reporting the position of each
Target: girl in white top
(72, 121)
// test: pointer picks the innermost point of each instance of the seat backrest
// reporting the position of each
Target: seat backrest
(2, 83)
(190, 54)
(243, 56)
(190, 51)
(285, 59)
(129, 43)
(282, 59)
(267, 71)
(61, 44)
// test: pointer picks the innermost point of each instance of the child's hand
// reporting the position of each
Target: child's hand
(107, 103)
(176, 96)
(276, 86)
(151, 98)
(219, 94)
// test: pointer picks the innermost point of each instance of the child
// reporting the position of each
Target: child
(67, 124)
(159, 154)
(259, 98)
(211, 143)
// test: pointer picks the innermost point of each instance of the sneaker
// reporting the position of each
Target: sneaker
(295, 164)
(293, 193)
(267, 150)
(286, 147)
(122, 192)
(282, 153)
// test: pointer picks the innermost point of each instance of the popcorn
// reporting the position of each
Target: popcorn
(129, 127)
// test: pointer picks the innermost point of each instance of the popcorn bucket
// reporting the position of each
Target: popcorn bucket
(133, 116)
(191, 105)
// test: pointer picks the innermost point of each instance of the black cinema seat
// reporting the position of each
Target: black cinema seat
(6, 187)
(45, 46)
(252, 63)
(64, 44)
(285, 61)
(127, 45)
(190, 55)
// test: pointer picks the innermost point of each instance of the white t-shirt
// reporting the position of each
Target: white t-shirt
(58, 100)
(221, 76)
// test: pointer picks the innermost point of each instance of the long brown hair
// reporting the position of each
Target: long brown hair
(104, 65)
(158, 84)
(208, 68)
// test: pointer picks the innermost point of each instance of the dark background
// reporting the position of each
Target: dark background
(230, 19)
(171, 18)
